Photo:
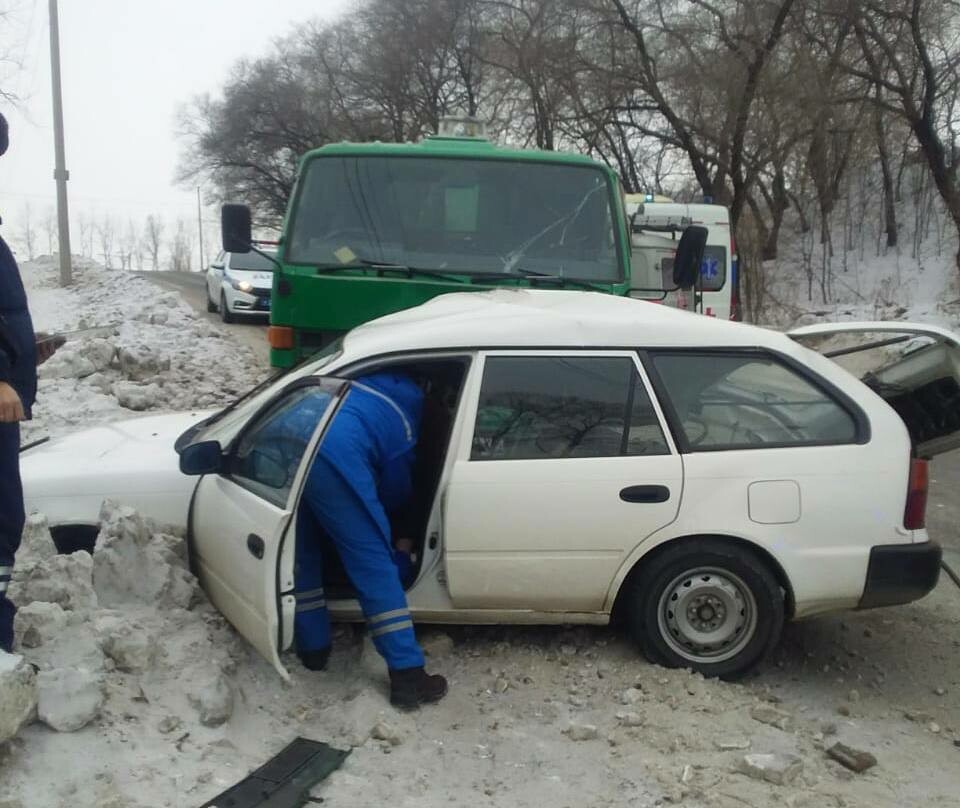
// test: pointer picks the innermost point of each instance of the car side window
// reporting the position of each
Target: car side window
(743, 401)
(268, 454)
(535, 407)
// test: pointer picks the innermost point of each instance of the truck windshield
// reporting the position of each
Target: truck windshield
(461, 216)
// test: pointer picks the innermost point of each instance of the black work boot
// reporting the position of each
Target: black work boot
(411, 687)
(315, 660)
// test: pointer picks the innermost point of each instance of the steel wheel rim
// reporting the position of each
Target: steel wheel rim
(707, 615)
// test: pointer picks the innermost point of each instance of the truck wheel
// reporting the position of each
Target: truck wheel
(707, 605)
(225, 314)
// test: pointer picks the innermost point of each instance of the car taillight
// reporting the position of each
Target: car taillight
(915, 513)
(280, 336)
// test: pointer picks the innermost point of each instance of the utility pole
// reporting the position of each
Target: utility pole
(200, 228)
(60, 174)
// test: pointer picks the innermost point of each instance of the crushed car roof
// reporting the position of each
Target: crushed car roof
(550, 318)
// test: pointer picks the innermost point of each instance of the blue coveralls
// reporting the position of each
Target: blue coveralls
(18, 368)
(362, 472)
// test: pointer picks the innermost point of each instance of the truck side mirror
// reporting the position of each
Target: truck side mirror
(686, 264)
(236, 228)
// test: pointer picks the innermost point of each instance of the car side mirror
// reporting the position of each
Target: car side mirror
(686, 264)
(205, 457)
(236, 228)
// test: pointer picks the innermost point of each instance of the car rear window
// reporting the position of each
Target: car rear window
(749, 401)
(557, 407)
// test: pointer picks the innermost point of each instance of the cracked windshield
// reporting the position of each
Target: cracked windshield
(464, 217)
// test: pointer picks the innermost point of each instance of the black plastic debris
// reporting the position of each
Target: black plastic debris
(285, 780)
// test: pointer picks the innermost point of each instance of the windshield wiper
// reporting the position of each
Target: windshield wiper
(533, 275)
(365, 263)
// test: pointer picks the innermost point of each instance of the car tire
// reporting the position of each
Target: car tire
(211, 306)
(731, 615)
(225, 314)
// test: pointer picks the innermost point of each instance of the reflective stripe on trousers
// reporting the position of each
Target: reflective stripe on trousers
(329, 505)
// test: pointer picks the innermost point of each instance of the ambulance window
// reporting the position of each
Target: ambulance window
(562, 407)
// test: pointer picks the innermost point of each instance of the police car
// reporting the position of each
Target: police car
(240, 284)
(581, 456)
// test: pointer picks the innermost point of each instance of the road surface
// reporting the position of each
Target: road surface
(251, 331)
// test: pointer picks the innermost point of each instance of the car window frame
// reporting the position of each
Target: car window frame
(862, 429)
(339, 392)
(465, 451)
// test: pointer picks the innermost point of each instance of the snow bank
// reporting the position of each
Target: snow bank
(160, 355)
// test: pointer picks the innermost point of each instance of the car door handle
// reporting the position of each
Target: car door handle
(255, 545)
(645, 493)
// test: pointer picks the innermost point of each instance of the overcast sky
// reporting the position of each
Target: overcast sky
(127, 65)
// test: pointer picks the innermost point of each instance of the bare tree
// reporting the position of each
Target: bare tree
(28, 235)
(910, 52)
(153, 237)
(50, 229)
(181, 253)
(106, 233)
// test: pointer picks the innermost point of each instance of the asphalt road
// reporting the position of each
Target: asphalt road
(249, 330)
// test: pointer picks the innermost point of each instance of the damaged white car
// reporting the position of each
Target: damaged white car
(584, 456)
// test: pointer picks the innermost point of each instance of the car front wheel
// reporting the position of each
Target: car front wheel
(707, 605)
(225, 313)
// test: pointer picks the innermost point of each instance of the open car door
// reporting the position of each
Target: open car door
(914, 367)
(241, 528)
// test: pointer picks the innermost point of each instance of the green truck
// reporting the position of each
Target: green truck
(374, 228)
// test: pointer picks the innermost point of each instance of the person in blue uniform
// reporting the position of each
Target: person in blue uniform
(360, 477)
(20, 352)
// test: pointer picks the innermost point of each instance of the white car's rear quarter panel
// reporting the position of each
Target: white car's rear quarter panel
(852, 497)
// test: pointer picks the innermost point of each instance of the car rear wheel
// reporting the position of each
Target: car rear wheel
(708, 605)
(211, 306)
(225, 313)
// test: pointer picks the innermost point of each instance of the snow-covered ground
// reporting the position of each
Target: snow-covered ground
(148, 698)
(156, 353)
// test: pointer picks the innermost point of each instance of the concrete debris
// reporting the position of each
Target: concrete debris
(169, 724)
(630, 719)
(18, 695)
(36, 543)
(854, 759)
(631, 695)
(137, 397)
(777, 768)
(437, 645)
(140, 362)
(132, 565)
(212, 696)
(774, 717)
(732, 744)
(69, 698)
(387, 732)
(129, 644)
(582, 732)
(38, 623)
(66, 580)
(78, 360)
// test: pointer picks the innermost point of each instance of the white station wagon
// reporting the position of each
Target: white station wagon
(581, 456)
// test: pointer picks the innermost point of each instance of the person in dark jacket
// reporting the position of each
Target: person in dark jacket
(20, 352)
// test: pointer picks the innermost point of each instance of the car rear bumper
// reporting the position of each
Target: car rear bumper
(900, 573)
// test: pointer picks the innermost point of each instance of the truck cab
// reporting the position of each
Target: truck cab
(375, 228)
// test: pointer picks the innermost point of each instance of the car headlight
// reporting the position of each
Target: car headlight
(243, 286)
